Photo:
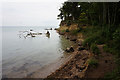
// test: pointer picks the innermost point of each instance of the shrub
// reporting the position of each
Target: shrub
(68, 23)
(93, 62)
(114, 75)
(94, 49)
(90, 40)
(67, 30)
(63, 31)
(74, 32)
(105, 48)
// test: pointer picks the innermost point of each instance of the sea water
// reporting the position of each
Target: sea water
(24, 55)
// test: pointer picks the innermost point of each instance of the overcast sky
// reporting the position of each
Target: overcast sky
(30, 12)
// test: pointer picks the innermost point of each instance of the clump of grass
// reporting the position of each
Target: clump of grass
(94, 49)
(106, 48)
(112, 75)
(63, 31)
(88, 41)
(93, 62)
(74, 32)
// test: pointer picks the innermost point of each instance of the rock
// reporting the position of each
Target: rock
(67, 37)
(106, 61)
(80, 43)
(67, 49)
(84, 58)
(48, 33)
(73, 39)
(61, 33)
(49, 29)
(75, 77)
(31, 30)
(82, 67)
(70, 73)
(39, 33)
(77, 67)
(71, 49)
(32, 36)
(80, 48)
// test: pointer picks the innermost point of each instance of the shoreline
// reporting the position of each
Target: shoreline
(76, 66)
(52, 67)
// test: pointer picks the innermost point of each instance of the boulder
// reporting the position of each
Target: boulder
(48, 33)
(61, 33)
(80, 48)
(67, 49)
(71, 49)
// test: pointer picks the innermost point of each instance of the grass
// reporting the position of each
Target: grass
(94, 49)
(93, 62)
(75, 32)
(110, 37)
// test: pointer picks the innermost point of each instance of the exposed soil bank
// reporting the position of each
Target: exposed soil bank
(78, 67)
(106, 63)
(75, 67)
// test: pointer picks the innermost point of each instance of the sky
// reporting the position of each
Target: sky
(30, 12)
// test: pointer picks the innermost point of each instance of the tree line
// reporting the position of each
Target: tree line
(91, 12)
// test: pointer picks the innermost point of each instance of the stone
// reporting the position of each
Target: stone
(67, 37)
(80, 43)
(75, 77)
(82, 67)
(84, 58)
(55, 29)
(77, 67)
(80, 48)
(73, 39)
(106, 61)
(71, 49)
(32, 36)
(61, 33)
(48, 33)
(67, 49)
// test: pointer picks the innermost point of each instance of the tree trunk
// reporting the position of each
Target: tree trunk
(104, 13)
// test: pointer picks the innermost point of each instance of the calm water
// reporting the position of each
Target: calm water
(23, 56)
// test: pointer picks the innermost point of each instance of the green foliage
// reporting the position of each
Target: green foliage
(67, 30)
(93, 62)
(75, 32)
(68, 23)
(94, 49)
(113, 75)
(105, 18)
(63, 31)
(106, 48)
(116, 39)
